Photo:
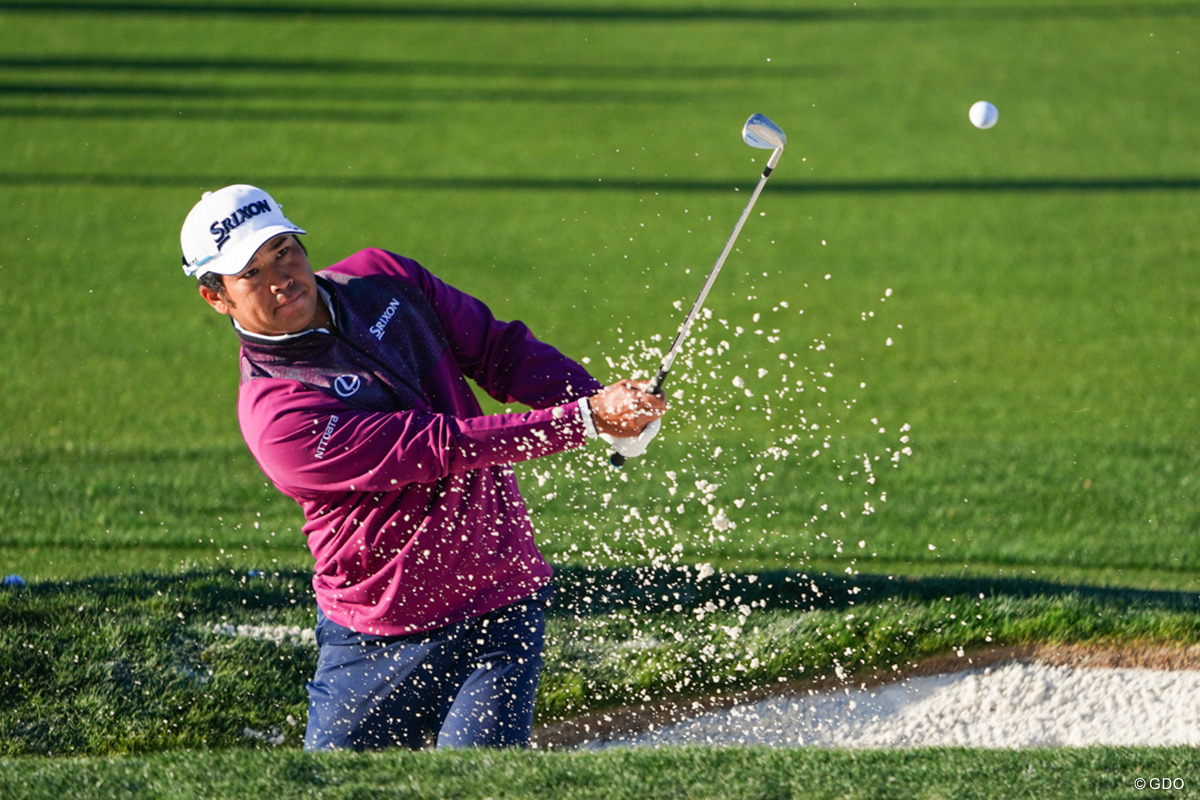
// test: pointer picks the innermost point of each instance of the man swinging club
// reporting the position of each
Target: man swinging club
(354, 400)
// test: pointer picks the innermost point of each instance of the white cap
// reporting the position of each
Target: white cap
(225, 229)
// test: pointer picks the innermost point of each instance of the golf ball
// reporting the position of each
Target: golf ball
(983, 115)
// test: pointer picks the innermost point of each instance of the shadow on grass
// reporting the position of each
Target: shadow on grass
(243, 65)
(466, 12)
(213, 593)
(591, 591)
(1133, 183)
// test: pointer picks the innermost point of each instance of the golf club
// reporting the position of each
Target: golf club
(758, 132)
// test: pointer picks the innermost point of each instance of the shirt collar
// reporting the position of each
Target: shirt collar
(289, 337)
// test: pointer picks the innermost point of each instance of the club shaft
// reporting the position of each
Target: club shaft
(669, 359)
(655, 387)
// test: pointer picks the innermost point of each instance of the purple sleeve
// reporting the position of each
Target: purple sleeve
(504, 358)
(306, 441)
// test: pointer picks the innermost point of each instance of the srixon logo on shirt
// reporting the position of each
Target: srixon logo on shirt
(223, 227)
(381, 324)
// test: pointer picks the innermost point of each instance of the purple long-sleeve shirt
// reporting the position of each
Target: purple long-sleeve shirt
(412, 511)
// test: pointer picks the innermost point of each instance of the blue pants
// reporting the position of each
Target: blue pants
(471, 684)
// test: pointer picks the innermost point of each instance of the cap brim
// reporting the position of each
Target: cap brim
(234, 260)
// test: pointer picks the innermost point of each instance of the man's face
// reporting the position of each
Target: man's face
(275, 294)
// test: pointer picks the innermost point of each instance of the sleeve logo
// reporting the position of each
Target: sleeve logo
(326, 436)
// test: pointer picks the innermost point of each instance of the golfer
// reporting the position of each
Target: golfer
(354, 400)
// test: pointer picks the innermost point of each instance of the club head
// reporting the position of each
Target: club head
(760, 132)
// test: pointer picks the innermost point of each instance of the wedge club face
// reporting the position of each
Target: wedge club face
(760, 132)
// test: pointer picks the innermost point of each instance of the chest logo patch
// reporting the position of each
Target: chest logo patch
(346, 385)
(381, 324)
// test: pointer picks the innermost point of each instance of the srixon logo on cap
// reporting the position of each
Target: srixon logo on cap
(223, 227)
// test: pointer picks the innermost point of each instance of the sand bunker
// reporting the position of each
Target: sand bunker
(1052, 698)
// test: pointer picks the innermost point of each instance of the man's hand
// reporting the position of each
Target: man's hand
(624, 408)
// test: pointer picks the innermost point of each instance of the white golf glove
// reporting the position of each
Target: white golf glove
(630, 446)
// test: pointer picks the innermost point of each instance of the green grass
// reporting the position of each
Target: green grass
(140, 663)
(694, 774)
(966, 361)
(1041, 306)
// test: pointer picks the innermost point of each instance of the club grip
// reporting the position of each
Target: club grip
(616, 459)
